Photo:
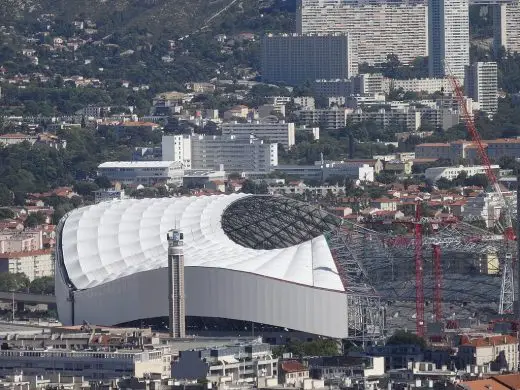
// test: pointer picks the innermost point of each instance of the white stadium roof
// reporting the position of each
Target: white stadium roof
(115, 239)
(252, 258)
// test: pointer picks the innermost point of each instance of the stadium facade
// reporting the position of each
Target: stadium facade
(264, 259)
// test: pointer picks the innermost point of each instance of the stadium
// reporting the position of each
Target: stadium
(256, 258)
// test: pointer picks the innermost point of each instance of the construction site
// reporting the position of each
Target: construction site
(441, 273)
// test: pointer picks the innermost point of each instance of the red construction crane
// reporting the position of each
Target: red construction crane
(507, 290)
(419, 281)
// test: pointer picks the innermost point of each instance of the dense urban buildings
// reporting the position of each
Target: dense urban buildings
(377, 29)
(481, 84)
(296, 59)
(506, 24)
(448, 35)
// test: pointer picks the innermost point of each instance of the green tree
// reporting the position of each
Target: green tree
(35, 219)
(404, 337)
(103, 182)
(6, 196)
(43, 285)
(6, 213)
(85, 188)
(13, 282)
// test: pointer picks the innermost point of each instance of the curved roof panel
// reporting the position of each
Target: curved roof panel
(107, 241)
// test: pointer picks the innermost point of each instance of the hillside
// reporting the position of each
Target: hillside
(155, 17)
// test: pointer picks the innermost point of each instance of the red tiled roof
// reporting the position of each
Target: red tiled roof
(488, 341)
(14, 255)
(293, 366)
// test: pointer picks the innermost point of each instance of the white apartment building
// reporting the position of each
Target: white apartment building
(376, 29)
(281, 132)
(296, 59)
(406, 118)
(142, 172)
(233, 154)
(369, 100)
(368, 83)
(450, 173)
(448, 34)
(305, 101)
(327, 118)
(92, 365)
(427, 85)
(506, 25)
(362, 172)
(34, 264)
(481, 84)
(485, 206)
(106, 195)
(230, 364)
(487, 348)
(177, 148)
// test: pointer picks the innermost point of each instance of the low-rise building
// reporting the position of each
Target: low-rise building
(226, 365)
(327, 118)
(17, 138)
(142, 172)
(92, 365)
(450, 173)
(399, 167)
(293, 373)
(106, 195)
(34, 264)
(348, 369)
(481, 349)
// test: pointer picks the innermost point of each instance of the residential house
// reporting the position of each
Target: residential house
(292, 373)
(501, 350)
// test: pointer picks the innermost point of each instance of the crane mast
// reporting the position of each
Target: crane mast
(507, 290)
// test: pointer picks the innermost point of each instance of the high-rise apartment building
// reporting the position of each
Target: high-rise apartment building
(281, 132)
(177, 148)
(376, 29)
(233, 154)
(297, 59)
(481, 83)
(448, 36)
(506, 24)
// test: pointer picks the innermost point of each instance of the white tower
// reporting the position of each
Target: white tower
(448, 38)
(176, 309)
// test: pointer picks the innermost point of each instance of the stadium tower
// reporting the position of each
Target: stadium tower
(176, 307)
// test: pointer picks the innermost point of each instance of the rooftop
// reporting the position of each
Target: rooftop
(139, 164)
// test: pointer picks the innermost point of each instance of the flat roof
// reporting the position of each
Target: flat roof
(139, 164)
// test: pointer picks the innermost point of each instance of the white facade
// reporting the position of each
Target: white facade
(108, 195)
(34, 264)
(89, 364)
(428, 85)
(327, 118)
(450, 173)
(368, 83)
(142, 172)
(376, 29)
(355, 170)
(281, 132)
(177, 148)
(448, 34)
(506, 24)
(486, 206)
(233, 153)
(297, 59)
(112, 257)
(481, 84)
